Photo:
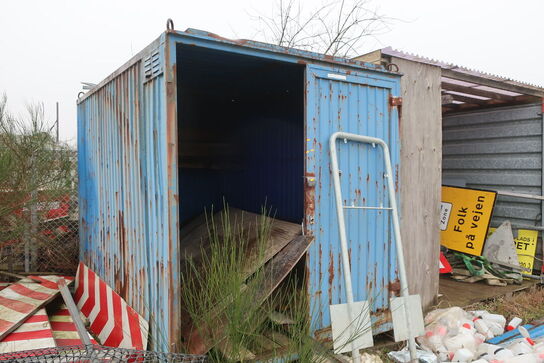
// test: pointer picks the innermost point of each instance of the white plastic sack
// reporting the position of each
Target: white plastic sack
(403, 356)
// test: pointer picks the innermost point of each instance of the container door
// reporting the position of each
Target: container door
(359, 103)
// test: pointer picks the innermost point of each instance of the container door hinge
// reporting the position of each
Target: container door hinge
(395, 101)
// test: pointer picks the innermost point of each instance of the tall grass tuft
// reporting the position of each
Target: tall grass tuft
(216, 292)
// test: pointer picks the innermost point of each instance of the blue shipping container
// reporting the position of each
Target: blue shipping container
(141, 136)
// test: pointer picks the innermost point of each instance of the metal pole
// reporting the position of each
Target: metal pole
(57, 122)
(343, 244)
(26, 236)
(393, 204)
(74, 312)
(34, 230)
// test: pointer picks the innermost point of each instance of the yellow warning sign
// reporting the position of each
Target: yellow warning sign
(525, 247)
(464, 218)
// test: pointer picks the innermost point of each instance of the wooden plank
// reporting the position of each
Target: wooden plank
(240, 354)
(420, 175)
(467, 99)
(279, 346)
(193, 224)
(196, 239)
(278, 338)
(467, 77)
(281, 264)
(275, 272)
(280, 318)
(518, 100)
(266, 344)
(477, 92)
(22, 300)
(34, 333)
(462, 294)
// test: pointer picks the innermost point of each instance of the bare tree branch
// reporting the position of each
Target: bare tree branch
(335, 28)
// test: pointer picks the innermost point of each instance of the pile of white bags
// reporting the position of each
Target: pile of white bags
(455, 335)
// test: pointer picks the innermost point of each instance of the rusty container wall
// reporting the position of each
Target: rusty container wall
(125, 191)
(127, 141)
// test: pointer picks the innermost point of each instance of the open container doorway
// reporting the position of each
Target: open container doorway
(241, 134)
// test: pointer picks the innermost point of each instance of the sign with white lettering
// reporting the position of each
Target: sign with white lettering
(464, 218)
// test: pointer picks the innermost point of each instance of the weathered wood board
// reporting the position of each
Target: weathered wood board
(421, 175)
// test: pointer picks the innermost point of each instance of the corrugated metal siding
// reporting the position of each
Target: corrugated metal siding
(123, 193)
(274, 169)
(359, 105)
(499, 149)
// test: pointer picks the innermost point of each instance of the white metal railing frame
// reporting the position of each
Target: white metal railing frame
(342, 226)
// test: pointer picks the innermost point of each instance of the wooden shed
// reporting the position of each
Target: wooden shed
(467, 128)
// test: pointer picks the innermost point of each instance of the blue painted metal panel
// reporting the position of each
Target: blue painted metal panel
(356, 102)
(124, 191)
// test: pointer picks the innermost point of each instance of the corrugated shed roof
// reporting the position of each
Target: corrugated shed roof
(389, 51)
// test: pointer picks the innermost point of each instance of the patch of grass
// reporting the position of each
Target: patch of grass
(226, 306)
(220, 303)
(527, 305)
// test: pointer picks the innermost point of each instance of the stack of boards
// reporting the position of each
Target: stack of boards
(282, 250)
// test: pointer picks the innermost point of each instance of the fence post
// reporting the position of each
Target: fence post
(33, 230)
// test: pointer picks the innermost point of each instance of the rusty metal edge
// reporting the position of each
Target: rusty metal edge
(194, 34)
(173, 267)
(135, 59)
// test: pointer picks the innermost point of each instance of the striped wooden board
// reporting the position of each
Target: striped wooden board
(21, 300)
(113, 322)
(34, 333)
(64, 329)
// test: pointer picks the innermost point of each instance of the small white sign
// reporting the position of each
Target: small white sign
(337, 76)
(345, 332)
(406, 312)
(445, 211)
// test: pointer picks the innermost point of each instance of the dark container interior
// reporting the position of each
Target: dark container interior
(241, 133)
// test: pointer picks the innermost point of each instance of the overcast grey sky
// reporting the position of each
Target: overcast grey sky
(48, 47)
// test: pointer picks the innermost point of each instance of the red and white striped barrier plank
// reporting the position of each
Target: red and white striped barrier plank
(3, 285)
(51, 281)
(22, 299)
(114, 322)
(34, 333)
(64, 329)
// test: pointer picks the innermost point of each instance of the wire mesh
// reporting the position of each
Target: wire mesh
(96, 354)
(39, 227)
